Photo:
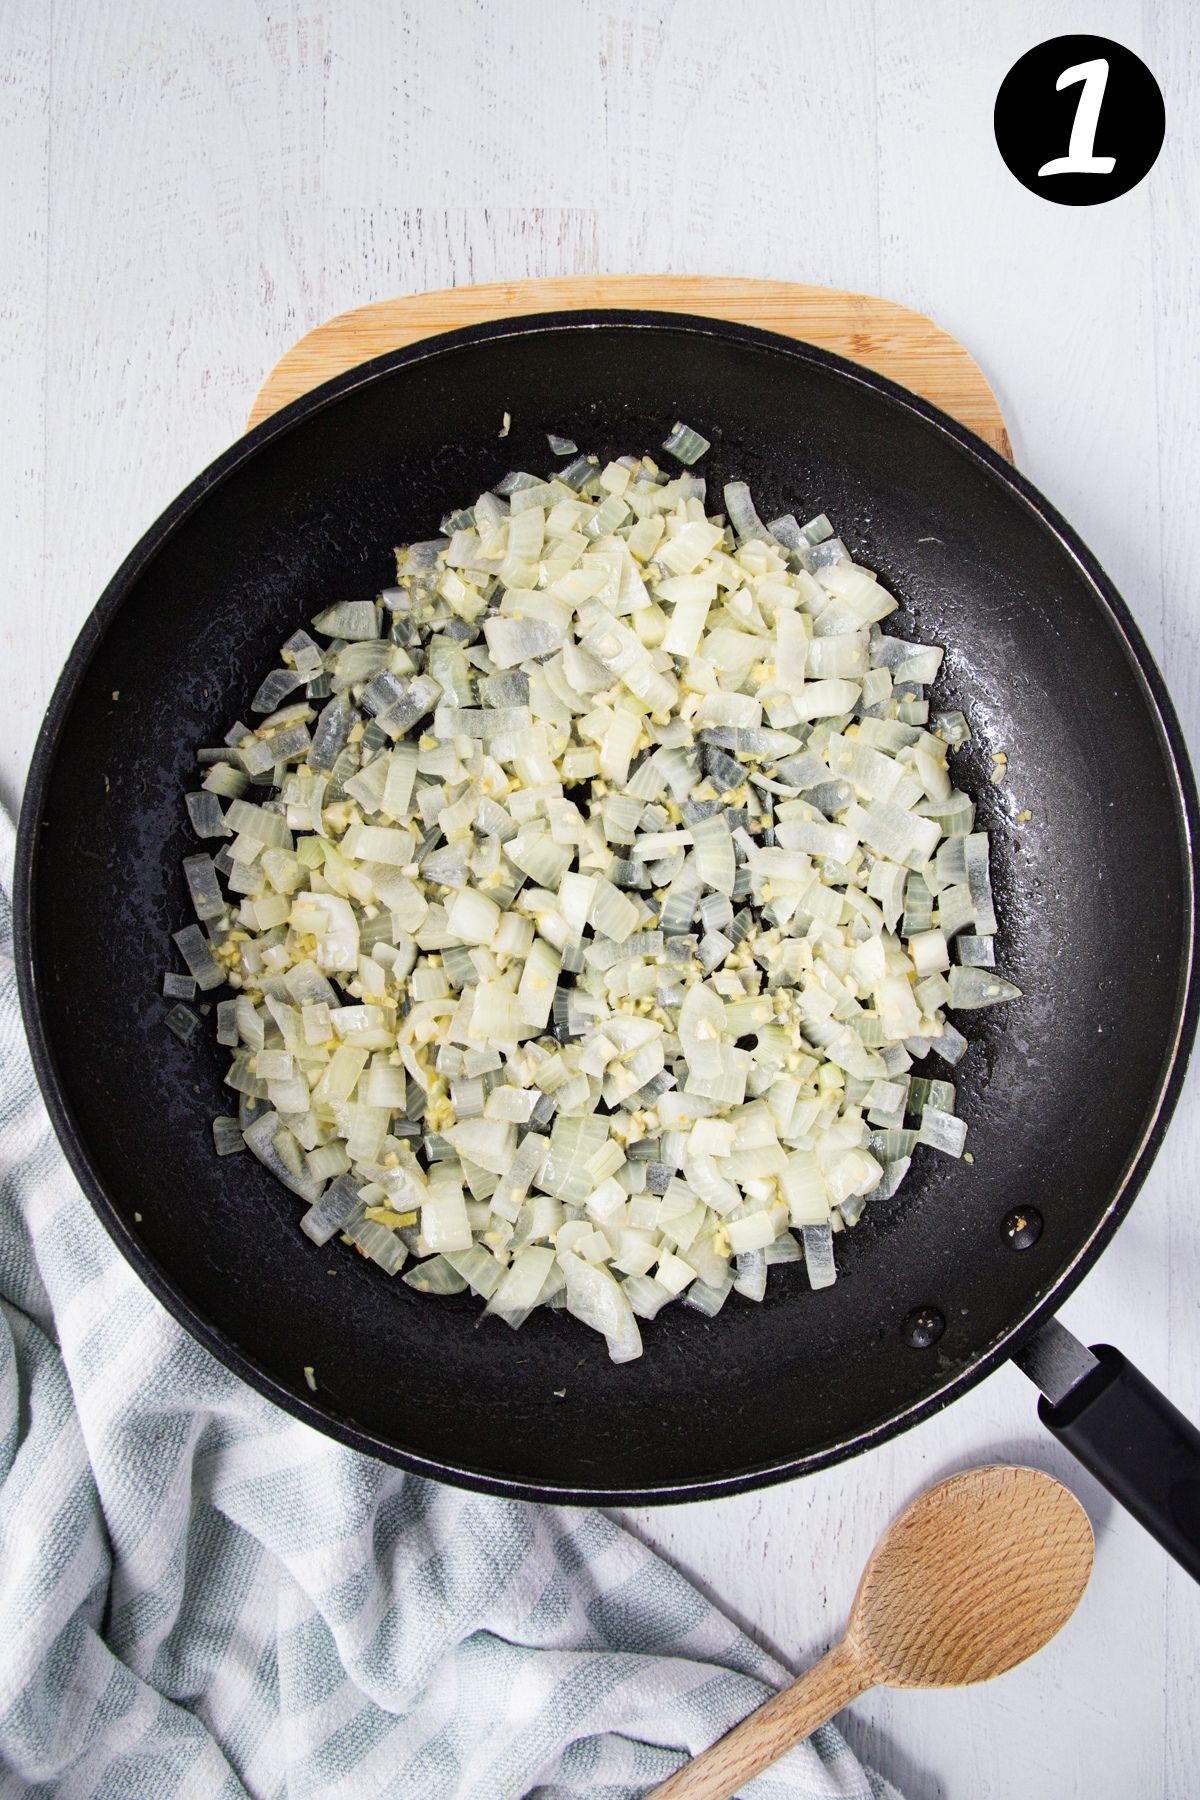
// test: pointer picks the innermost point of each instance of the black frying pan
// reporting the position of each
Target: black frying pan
(1068, 1092)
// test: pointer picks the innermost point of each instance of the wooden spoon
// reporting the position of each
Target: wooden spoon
(972, 1578)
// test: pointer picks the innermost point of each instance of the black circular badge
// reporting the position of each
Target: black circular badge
(1079, 120)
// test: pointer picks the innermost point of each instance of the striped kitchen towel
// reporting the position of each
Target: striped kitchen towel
(200, 1596)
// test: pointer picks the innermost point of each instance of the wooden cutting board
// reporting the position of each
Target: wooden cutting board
(891, 339)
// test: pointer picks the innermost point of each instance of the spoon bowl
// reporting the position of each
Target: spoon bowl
(974, 1577)
(971, 1579)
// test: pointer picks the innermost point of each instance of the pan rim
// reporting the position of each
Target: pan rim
(218, 1342)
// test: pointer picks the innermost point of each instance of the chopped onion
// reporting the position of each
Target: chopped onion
(183, 1022)
(979, 884)
(818, 1255)
(197, 953)
(975, 987)
(742, 515)
(685, 443)
(352, 619)
(942, 1131)
(584, 931)
(205, 815)
(338, 1205)
(275, 690)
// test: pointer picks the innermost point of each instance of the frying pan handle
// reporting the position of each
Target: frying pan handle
(1139, 1446)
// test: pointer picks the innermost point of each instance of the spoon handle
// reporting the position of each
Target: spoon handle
(762, 1737)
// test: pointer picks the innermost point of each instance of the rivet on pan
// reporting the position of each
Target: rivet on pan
(1022, 1227)
(923, 1327)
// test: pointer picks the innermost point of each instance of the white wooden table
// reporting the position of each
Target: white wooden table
(183, 190)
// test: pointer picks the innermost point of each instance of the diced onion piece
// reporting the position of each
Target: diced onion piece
(701, 1024)
(715, 863)
(818, 1255)
(596, 1299)
(276, 1148)
(929, 952)
(754, 1232)
(444, 1222)
(333, 1211)
(197, 953)
(473, 918)
(351, 619)
(942, 1131)
(979, 882)
(971, 988)
(685, 443)
(742, 514)
(182, 1022)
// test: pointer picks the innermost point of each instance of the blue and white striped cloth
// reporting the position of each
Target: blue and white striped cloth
(200, 1596)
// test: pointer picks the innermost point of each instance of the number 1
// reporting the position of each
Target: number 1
(1081, 158)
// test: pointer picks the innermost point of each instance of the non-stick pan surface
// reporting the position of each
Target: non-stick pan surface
(1067, 1092)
